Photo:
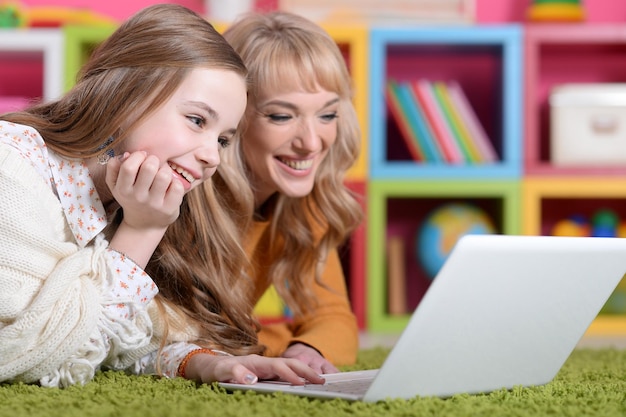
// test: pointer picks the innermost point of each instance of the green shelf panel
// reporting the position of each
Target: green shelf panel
(504, 195)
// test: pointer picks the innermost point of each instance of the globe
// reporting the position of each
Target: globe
(442, 228)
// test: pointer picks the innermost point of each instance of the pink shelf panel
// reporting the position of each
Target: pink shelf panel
(558, 54)
(21, 74)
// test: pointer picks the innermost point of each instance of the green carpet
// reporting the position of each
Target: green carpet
(591, 383)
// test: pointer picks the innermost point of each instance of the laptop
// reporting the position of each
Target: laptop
(503, 311)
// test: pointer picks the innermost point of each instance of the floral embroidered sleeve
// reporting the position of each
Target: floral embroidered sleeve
(131, 286)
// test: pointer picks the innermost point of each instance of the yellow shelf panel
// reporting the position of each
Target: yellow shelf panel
(536, 189)
(356, 38)
(608, 325)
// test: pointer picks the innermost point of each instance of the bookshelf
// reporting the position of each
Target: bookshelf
(507, 73)
(560, 54)
(397, 207)
(486, 63)
(565, 54)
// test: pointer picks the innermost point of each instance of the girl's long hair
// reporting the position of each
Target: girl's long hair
(197, 266)
(285, 52)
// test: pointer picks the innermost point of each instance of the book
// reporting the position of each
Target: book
(398, 112)
(457, 126)
(425, 97)
(396, 276)
(476, 129)
(417, 122)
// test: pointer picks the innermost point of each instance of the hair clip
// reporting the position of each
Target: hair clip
(104, 157)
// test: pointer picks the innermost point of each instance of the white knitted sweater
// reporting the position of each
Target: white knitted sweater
(53, 327)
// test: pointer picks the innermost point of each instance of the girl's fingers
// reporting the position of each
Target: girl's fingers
(146, 175)
(121, 173)
(293, 371)
(249, 369)
(242, 375)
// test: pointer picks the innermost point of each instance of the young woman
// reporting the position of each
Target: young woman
(298, 138)
(90, 183)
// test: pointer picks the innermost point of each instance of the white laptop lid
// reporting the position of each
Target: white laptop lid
(503, 311)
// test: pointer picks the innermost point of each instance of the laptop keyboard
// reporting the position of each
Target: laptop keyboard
(356, 387)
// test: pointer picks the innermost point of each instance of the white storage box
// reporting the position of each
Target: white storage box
(588, 124)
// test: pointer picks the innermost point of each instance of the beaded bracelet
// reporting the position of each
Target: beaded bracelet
(183, 364)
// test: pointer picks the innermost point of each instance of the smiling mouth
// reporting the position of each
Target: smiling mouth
(186, 175)
(300, 165)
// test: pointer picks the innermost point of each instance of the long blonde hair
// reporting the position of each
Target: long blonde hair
(198, 263)
(282, 51)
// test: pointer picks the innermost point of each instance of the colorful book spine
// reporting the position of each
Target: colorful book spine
(425, 97)
(474, 126)
(399, 114)
(456, 124)
(419, 126)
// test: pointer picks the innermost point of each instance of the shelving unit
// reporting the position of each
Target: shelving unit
(397, 208)
(80, 42)
(353, 42)
(507, 72)
(548, 200)
(486, 61)
(560, 54)
(31, 64)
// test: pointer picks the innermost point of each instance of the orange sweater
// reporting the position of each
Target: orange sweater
(331, 328)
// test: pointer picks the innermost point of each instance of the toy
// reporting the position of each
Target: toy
(556, 11)
(443, 227)
(604, 223)
(11, 16)
(569, 227)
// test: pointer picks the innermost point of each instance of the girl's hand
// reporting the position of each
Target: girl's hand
(150, 198)
(145, 189)
(311, 357)
(249, 369)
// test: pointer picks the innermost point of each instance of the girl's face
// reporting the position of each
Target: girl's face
(188, 130)
(288, 136)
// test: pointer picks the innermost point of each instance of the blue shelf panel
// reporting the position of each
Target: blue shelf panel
(487, 62)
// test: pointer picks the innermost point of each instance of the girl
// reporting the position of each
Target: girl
(90, 183)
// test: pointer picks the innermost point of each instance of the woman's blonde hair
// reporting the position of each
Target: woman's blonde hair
(198, 263)
(285, 52)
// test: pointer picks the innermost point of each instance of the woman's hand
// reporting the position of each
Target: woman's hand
(249, 369)
(311, 357)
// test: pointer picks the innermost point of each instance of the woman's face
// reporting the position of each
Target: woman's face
(187, 131)
(288, 136)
